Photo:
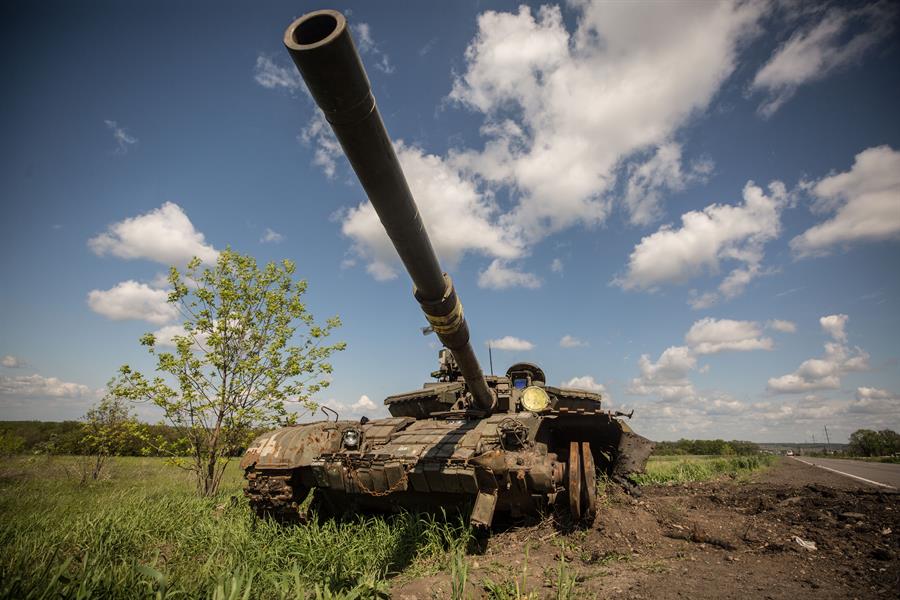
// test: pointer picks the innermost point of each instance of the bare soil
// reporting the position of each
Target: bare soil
(719, 539)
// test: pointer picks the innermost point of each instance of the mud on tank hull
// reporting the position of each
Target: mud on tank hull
(513, 463)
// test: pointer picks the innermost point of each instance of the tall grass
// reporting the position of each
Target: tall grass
(143, 533)
(683, 469)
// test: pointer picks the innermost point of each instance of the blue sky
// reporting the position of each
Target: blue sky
(693, 208)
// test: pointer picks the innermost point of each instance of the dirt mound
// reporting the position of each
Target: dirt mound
(793, 532)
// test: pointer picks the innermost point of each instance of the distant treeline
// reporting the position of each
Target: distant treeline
(706, 447)
(67, 437)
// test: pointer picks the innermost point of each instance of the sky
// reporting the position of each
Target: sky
(692, 208)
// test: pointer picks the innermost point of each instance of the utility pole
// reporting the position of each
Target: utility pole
(826, 435)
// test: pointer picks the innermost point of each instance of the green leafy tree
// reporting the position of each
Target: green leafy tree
(110, 428)
(10, 443)
(249, 347)
(865, 442)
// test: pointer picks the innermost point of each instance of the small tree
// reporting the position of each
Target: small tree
(109, 429)
(234, 368)
(10, 443)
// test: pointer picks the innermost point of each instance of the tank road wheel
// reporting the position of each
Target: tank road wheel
(589, 480)
(275, 495)
(575, 481)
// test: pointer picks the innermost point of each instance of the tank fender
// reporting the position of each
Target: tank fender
(292, 447)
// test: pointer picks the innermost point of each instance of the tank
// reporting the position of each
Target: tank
(485, 445)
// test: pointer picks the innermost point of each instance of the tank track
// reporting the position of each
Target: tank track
(275, 495)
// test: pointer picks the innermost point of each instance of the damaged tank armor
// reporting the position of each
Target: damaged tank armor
(510, 444)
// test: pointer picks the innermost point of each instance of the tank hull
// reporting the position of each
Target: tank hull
(511, 463)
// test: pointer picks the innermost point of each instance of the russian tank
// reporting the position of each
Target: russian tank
(485, 444)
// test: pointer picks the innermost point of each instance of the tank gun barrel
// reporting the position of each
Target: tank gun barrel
(323, 51)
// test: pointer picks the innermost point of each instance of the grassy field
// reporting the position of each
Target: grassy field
(142, 533)
(683, 469)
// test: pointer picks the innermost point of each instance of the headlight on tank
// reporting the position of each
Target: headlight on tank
(350, 438)
(535, 399)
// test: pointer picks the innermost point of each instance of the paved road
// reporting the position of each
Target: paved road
(886, 474)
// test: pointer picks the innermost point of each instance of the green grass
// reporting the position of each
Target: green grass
(142, 532)
(683, 469)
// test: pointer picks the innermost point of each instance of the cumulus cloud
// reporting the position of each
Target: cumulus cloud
(838, 39)
(510, 343)
(457, 217)
(824, 373)
(648, 180)
(271, 236)
(123, 140)
(568, 341)
(12, 362)
(587, 383)
(865, 201)
(165, 235)
(165, 336)
(565, 109)
(782, 326)
(870, 400)
(734, 234)
(563, 112)
(557, 265)
(667, 378)
(500, 276)
(709, 336)
(133, 300)
(363, 404)
(38, 386)
(834, 325)
(362, 34)
(272, 75)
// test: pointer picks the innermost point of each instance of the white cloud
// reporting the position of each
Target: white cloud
(165, 336)
(587, 383)
(557, 265)
(165, 235)
(824, 373)
(569, 341)
(319, 135)
(500, 276)
(123, 140)
(834, 325)
(38, 386)
(871, 400)
(363, 404)
(564, 110)
(133, 300)
(510, 343)
(12, 362)
(562, 113)
(782, 326)
(648, 180)
(865, 201)
(709, 336)
(362, 34)
(457, 217)
(719, 233)
(841, 37)
(666, 378)
(270, 236)
(273, 76)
